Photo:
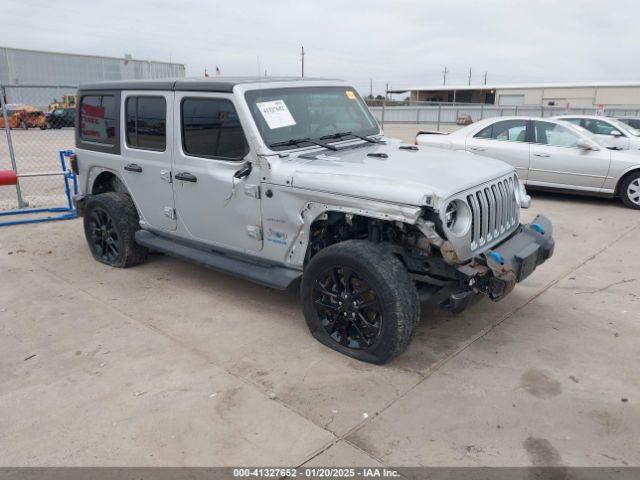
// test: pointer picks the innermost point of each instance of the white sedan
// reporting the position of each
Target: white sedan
(611, 132)
(549, 154)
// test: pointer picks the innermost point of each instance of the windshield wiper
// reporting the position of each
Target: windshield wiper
(297, 141)
(346, 134)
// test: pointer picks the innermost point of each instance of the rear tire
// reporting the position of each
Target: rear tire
(359, 300)
(110, 223)
(630, 191)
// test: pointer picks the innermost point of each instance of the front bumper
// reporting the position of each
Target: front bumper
(517, 257)
(496, 272)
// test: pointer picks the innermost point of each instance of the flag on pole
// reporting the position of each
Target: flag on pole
(217, 71)
(206, 74)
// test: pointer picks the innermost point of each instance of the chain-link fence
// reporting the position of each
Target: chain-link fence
(443, 114)
(37, 122)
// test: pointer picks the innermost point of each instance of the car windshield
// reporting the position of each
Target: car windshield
(625, 128)
(301, 116)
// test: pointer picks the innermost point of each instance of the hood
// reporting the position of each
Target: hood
(405, 176)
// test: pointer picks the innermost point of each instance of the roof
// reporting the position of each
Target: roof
(215, 84)
(446, 88)
(124, 59)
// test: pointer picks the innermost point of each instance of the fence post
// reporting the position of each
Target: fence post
(418, 116)
(481, 111)
(384, 103)
(438, 126)
(516, 111)
(542, 111)
(12, 154)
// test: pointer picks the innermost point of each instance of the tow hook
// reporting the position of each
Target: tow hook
(457, 302)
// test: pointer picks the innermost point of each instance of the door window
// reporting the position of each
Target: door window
(146, 122)
(547, 133)
(506, 130)
(598, 127)
(211, 129)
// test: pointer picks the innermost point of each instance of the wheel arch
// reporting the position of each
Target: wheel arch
(102, 180)
(623, 177)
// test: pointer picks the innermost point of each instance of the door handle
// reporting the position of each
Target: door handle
(542, 155)
(477, 149)
(186, 177)
(133, 167)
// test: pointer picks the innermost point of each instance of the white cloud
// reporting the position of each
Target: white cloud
(402, 42)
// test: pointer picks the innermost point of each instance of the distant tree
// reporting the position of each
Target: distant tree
(379, 97)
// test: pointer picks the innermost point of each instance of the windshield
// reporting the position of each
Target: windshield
(293, 117)
(625, 128)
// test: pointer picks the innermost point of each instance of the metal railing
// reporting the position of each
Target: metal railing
(452, 113)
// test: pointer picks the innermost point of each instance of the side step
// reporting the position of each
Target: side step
(275, 277)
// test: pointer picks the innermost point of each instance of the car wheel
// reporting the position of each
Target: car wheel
(358, 299)
(110, 223)
(630, 191)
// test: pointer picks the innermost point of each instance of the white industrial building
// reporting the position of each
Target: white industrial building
(576, 95)
(31, 76)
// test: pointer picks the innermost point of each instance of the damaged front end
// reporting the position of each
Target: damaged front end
(496, 271)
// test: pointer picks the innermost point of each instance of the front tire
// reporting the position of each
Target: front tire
(359, 300)
(630, 191)
(110, 223)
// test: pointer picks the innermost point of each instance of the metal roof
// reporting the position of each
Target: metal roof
(522, 86)
(214, 84)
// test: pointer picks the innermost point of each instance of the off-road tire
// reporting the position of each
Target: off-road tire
(387, 277)
(624, 189)
(120, 209)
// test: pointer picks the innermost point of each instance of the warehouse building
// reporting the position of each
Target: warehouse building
(576, 95)
(30, 76)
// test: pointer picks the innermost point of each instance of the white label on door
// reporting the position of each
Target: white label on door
(276, 114)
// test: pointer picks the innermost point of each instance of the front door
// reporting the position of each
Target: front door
(216, 188)
(556, 159)
(505, 140)
(146, 152)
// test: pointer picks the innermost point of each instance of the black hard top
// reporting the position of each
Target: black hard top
(214, 84)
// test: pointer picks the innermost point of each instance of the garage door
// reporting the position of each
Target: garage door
(511, 99)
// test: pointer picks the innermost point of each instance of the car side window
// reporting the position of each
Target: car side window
(506, 130)
(146, 122)
(598, 127)
(547, 133)
(211, 129)
(97, 119)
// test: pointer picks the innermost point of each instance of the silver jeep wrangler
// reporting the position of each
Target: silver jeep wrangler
(276, 180)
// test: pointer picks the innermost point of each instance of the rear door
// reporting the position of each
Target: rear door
(557, 161)
(146, 152)
(213, 205)
(505, 140)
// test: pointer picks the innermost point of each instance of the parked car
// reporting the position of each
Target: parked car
(61, 117)
(282, 180)
(633, 122)
(549, 154)
(611, 132)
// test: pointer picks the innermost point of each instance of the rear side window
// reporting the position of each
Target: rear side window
(146, 122)
(506, 130)
(211, 128)
(98, 119)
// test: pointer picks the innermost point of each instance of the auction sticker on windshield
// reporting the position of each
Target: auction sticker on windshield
(276, 114)
(350, 95)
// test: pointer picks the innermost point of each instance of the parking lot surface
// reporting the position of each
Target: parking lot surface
(172, 364)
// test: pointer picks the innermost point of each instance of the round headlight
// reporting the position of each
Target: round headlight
(457, 217)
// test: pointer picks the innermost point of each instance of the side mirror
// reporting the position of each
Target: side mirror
(586, 144)
(616, 133)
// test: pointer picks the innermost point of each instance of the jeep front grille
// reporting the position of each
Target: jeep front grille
(494, 211)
